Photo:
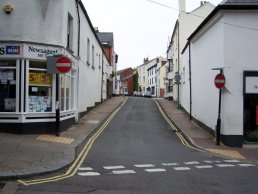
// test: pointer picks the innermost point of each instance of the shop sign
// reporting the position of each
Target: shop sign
(40, 79)
(10, 50)
(251, 85)
(40, 52)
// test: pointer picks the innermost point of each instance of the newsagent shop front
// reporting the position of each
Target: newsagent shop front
(28, 91)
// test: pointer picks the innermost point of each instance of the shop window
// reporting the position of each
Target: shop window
(40, 88)
(8, 86)
(67, 91)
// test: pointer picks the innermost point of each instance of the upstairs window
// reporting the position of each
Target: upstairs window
(70, 32)
(93, 57)
(88, 51)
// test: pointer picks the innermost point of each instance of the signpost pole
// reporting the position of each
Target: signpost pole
(218, 126)
(57, 106)
(219, 83)
(55, 65)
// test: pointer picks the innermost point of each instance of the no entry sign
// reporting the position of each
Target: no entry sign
(220, 81)
(63, 64)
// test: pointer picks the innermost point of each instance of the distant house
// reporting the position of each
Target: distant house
(124, 81)
(148, 75)
(226, 41)
(143, 77)
(107, 41)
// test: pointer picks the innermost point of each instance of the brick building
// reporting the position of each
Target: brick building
(124, 85)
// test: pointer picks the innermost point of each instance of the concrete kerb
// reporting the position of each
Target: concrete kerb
(70, 156)
(183, 133)
(196, 145)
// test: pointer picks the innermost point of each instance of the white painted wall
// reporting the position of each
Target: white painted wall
(234, 49)
(207, 52)
(240, 55)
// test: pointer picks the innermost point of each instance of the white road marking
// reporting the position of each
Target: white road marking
(85, 168)
(192, 162)
(113, 167)
(88, 173)
(204, 166)
(144, 165)
(156, 170)
(123, 172)
(169, 164)
(232, 161)
(245, 165)
(182, 168)
(210, 162)
(225, 165)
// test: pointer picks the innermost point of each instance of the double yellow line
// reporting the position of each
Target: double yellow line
(79, 160)
(175, 129)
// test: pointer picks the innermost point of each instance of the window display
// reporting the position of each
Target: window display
(8, 86)
(40, 88)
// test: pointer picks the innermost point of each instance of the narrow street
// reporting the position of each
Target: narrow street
(139, 153)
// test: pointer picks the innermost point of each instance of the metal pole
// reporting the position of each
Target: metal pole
(218, 126)
(57, 106)
(178, 103)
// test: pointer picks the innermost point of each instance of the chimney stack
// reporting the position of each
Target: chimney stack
(182, 6)
(96, 29)
(145, 60)
(203, 2)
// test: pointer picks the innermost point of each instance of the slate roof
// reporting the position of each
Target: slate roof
(106, 38)
(239, 2)
(227, 5)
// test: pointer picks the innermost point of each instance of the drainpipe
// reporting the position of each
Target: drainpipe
(190, 79)
(79, 26)
(78, 55)
(178, 62)
(102, 72)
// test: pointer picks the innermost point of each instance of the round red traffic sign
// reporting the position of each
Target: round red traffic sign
(63, 64)
(220, 81)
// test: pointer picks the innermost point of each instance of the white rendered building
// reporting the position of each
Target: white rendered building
(30, 34)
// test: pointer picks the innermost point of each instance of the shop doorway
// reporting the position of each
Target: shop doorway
(251, 106)
(251, 118)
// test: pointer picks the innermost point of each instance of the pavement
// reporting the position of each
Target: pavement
(28, 155)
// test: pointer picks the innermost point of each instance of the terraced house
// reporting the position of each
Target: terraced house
(32, 31)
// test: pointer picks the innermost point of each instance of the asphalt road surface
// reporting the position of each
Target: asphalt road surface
(138, 153)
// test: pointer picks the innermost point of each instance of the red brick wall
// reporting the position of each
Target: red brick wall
(125, 73)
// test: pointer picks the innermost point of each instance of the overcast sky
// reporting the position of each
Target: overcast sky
(141, 28)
